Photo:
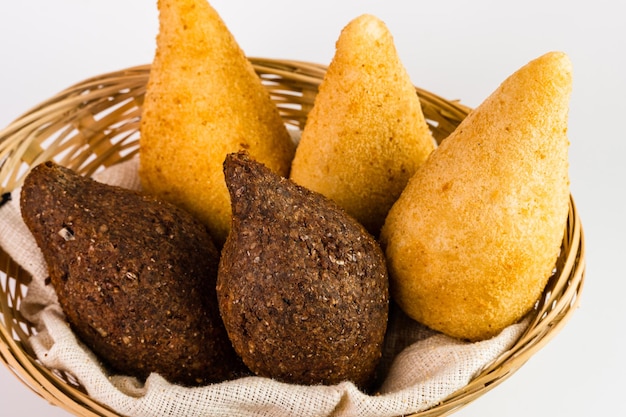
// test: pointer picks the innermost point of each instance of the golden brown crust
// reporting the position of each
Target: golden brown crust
(474, 237)
(366, 134)
(203, 101)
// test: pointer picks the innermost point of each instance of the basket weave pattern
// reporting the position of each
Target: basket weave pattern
(94, 125)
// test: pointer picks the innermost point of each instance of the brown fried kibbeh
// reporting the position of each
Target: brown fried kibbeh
(474, 237)
(302, 287)
(366, 134)
(203, 101)
(135, 276)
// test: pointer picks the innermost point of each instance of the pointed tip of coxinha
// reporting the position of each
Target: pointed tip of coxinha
(527, 113)
(203, 101)
(531, 105)
(366, 134)
(364, 29)
(190, 30)
(474, 237)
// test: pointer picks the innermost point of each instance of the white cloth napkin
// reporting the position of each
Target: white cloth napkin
(419, 368)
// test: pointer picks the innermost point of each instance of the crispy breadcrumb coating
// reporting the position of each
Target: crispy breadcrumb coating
(475, 235)
(366, 134)
(203, 101)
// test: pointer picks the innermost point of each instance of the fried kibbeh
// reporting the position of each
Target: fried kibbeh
(204, 100)
(135, 277)
(302, 287)
(474, 237)
(366, 134)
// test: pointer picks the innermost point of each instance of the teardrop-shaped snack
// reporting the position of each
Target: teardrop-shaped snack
(366, 134)
(475, 235)
(203, 101)
(135, 276)
(302, 287)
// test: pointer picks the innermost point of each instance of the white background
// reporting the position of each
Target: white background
(457, 49)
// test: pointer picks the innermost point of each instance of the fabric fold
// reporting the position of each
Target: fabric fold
(419, 367)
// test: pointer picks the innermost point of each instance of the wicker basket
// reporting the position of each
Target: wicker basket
(94, 124)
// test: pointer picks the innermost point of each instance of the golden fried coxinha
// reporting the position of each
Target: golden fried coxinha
(203, 101)
(366, 134)
(474, 237)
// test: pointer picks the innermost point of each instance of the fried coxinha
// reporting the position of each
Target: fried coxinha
(366, 134)
(203, 101)
(474, 237)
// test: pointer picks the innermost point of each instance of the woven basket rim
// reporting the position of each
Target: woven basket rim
(27, 141)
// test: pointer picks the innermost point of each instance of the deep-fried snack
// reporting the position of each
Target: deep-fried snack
(366, 134)
(475, 235)
(203, 101)
(135, 276)
(302, 287)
